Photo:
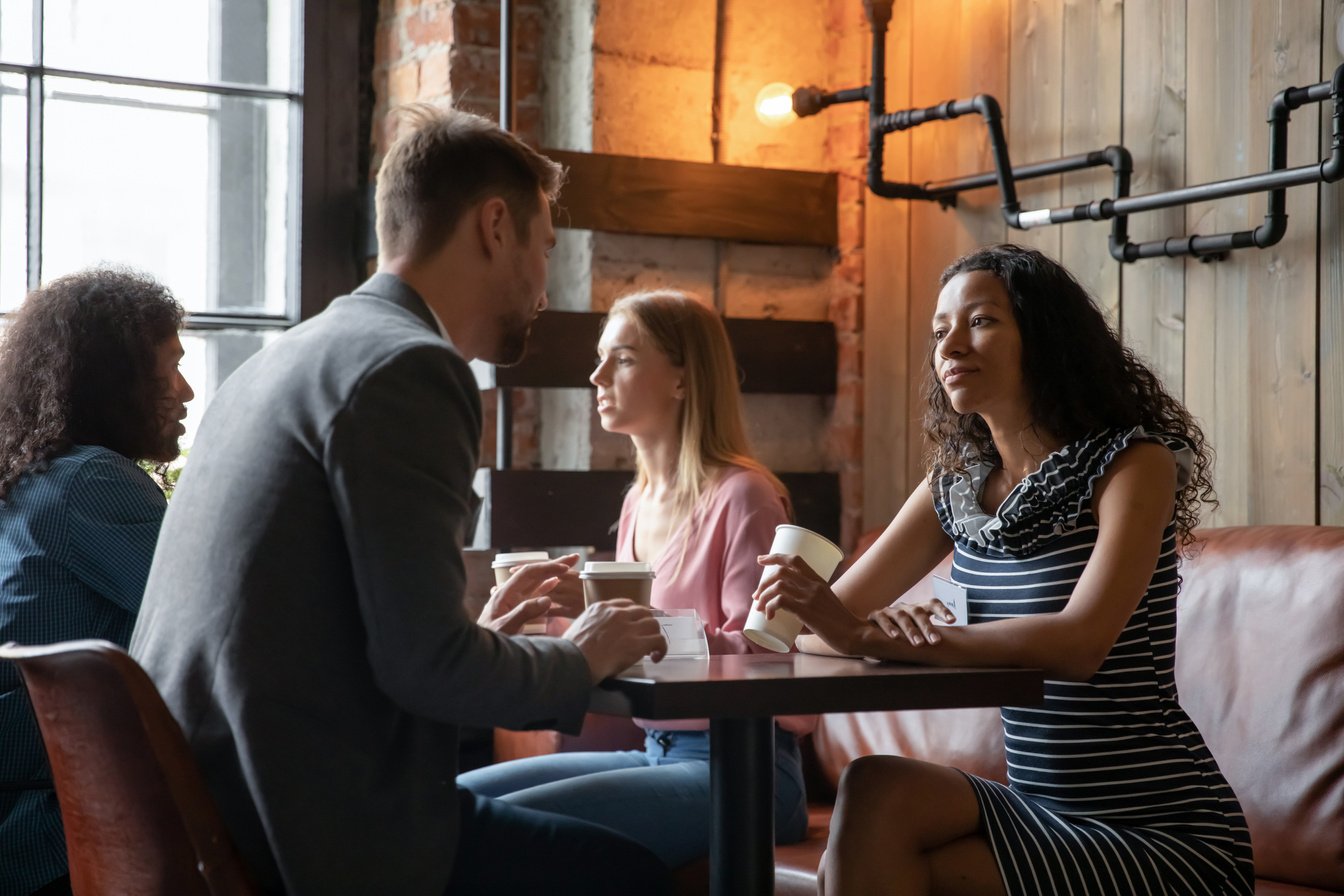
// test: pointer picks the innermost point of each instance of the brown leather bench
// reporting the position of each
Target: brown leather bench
(1260, 668)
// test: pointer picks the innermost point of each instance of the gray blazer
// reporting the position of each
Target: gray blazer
(303, 617)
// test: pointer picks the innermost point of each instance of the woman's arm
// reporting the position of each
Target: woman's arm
(911, 545)
(1133, 504)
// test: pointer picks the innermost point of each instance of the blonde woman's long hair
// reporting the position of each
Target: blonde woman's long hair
(713, 435)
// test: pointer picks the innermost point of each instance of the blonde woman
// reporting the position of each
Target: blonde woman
(701, 510)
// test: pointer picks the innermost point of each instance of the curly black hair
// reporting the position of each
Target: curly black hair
(77, 366)
(1080, 377)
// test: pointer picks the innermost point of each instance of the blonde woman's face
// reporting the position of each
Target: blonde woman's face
(639, 389)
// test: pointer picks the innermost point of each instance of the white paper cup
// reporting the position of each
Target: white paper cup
(503, 566)
(779, 633)
(609, 581)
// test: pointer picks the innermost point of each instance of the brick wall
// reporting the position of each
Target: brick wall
(649, 70)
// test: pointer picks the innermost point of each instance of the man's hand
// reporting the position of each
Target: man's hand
(528, 595)
(614, 634)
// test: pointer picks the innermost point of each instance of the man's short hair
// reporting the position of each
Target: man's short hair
(444, 162)
(78, 367)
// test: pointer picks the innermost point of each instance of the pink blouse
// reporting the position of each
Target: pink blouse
(717, 572)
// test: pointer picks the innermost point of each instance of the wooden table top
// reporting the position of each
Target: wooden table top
(756, 685)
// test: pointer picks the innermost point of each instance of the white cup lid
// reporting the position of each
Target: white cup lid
(516, 557)
(615, 570)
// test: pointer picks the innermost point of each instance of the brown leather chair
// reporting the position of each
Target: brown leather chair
(137, 815)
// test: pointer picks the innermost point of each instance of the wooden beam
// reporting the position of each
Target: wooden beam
(662, 197)
(779, 356)
(551, 508)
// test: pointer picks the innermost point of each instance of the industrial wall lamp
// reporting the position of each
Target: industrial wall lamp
(776, 104)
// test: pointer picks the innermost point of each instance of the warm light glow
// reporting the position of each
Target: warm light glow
(774, 104)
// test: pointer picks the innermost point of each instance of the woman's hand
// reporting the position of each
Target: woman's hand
(912, 621)
(790, 584)
(534, 591)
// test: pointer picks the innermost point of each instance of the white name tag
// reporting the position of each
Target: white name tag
(953, 597)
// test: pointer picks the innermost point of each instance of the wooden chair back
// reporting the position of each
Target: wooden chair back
(138, 817)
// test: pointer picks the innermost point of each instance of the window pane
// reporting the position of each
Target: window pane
(13, 190)
(192, 188)
(16, 31)
(211, 355)
(243, 41)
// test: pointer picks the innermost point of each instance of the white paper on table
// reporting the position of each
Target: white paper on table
(684, 633)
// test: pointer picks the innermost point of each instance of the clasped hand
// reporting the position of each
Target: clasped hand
(790, 584)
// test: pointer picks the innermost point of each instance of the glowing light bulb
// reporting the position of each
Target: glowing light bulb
(774, 105)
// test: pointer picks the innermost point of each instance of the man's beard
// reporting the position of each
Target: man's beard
(512, 345)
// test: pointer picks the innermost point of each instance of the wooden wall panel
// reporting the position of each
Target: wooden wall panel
(887, 431)
(1217, 303)
(1331, 384)
(1153, 315)
(1034, 108)
(1092, 42)
(1286, 44)
(1255, 343)
(955, 55)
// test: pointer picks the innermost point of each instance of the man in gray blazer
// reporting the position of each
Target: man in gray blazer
(303, 616)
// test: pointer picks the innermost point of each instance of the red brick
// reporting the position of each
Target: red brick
(431, 25)
(434, 78)
(475, 76)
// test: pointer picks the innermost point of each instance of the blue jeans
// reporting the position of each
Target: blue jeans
(658, 796)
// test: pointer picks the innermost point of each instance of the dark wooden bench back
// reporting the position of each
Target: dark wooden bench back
(545, 508)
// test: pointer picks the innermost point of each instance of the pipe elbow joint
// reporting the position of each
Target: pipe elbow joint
(987, 106)
(1119, 158)
(1270, 232)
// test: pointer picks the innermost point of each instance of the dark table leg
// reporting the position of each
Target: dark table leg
(742, 788)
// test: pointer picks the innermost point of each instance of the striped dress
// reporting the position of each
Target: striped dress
(1111, 787)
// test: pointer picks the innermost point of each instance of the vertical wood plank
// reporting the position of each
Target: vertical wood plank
(886, 306)
(1331, 352)
(933, 230)
(1092, 45)
(955, 55)
(1217, 316)
(1036, 70)
(1286, 47)
(1152, 313)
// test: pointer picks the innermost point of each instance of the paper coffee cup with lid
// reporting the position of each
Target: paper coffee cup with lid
(503, 566)
(818, 552)
(608, 580)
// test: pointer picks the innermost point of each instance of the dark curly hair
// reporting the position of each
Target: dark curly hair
(1080, 377)
(77, 366)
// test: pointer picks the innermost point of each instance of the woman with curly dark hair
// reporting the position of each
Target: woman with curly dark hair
(89, 384)
(1063, 478)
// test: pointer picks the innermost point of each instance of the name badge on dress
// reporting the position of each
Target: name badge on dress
(953, 597)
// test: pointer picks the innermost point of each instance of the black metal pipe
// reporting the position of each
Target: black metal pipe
(1093, 159)
(503, 397)
(1332, 169)
(1116, 208)
(1275, 182)
(811, 100)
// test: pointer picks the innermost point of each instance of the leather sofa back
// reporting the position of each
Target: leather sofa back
(1260, 668)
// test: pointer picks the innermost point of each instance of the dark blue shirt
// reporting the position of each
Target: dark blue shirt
(75, 546)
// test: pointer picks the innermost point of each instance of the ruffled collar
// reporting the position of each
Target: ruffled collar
(1050, 501)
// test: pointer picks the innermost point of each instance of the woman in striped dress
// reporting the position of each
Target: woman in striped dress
(1063, 477)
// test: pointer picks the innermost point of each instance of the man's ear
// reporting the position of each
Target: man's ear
(492, 223)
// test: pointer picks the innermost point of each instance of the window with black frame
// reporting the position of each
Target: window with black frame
(166, 135)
